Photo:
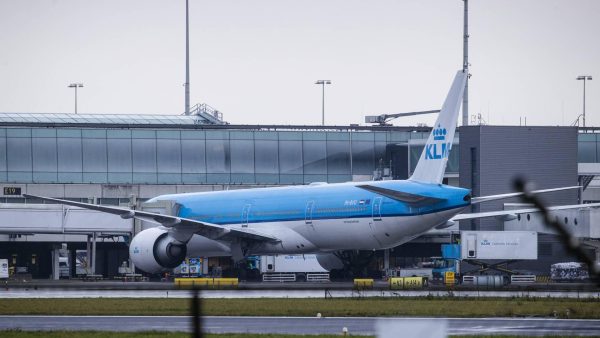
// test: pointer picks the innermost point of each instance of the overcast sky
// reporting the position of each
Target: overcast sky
(257, 61)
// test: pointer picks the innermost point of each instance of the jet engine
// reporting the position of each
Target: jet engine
(153, 250)
(329, 261)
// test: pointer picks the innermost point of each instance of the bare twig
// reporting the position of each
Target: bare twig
(570, 242)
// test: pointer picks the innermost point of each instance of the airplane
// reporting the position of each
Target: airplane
(319, 218)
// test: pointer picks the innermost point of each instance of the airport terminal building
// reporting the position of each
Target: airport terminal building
(127, 159)
(178, 150)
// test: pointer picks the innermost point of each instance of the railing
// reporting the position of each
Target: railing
(279, 277)
(208, 113)
(317, 277)
(522, 279)
(468, 280)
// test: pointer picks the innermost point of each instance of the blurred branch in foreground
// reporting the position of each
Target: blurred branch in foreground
(571, 243)
(196, 314)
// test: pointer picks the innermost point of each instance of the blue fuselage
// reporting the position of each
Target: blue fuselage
(315, 202)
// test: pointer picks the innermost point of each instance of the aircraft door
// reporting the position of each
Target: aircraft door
(308, 212)
(377, 208)
(245, 215)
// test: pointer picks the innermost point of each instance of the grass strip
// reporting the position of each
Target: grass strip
(345, 307)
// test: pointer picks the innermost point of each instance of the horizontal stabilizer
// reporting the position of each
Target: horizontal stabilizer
(476, 200)
(413, 199)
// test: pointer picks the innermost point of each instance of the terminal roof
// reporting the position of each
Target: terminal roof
(118, 119)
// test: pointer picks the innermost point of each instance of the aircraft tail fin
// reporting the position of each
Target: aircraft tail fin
(432, 163)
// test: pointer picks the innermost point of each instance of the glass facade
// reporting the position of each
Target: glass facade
(588, 150)
(453, 160)
(159, 156)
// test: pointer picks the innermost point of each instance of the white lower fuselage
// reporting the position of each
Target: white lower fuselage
(327, 235)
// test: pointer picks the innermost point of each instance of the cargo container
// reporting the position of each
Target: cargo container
(501, 245)
(569, 272)
(3, 268)
(282, 268)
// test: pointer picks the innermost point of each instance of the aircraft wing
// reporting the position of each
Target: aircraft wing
(515, 212)
(476, 200)
(179, 224)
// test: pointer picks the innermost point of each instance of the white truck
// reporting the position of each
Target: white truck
(494, 250)
(416, 272)
(291, 268)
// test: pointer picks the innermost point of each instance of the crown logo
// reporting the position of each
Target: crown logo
(439, 133)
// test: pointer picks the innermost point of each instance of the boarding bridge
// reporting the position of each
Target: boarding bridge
(583, 223)
(57, 219)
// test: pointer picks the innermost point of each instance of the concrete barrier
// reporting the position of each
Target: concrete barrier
(403, 283)
(207, 283)
(363, 283)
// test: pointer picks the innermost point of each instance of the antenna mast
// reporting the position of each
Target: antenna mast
(465, 104)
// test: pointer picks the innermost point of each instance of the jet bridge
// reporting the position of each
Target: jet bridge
(582, 223)
(56, 219)
(59, 219)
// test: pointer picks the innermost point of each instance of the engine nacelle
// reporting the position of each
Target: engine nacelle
(153, 251)
(329, 261)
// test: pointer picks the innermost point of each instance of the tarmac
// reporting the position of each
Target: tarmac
(278, 293)
(288, 325)
(168, 289)
(379, 285)
(300, 325)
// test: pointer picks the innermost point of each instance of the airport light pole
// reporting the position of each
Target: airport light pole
(584, 78)
(187, 59)
(465, 104)
(75, 85)
(323, 83)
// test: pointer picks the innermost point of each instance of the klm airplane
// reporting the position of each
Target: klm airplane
(318, 218)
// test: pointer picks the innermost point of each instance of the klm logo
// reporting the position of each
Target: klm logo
(485, 242)
(439, 134)
(438, 150)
